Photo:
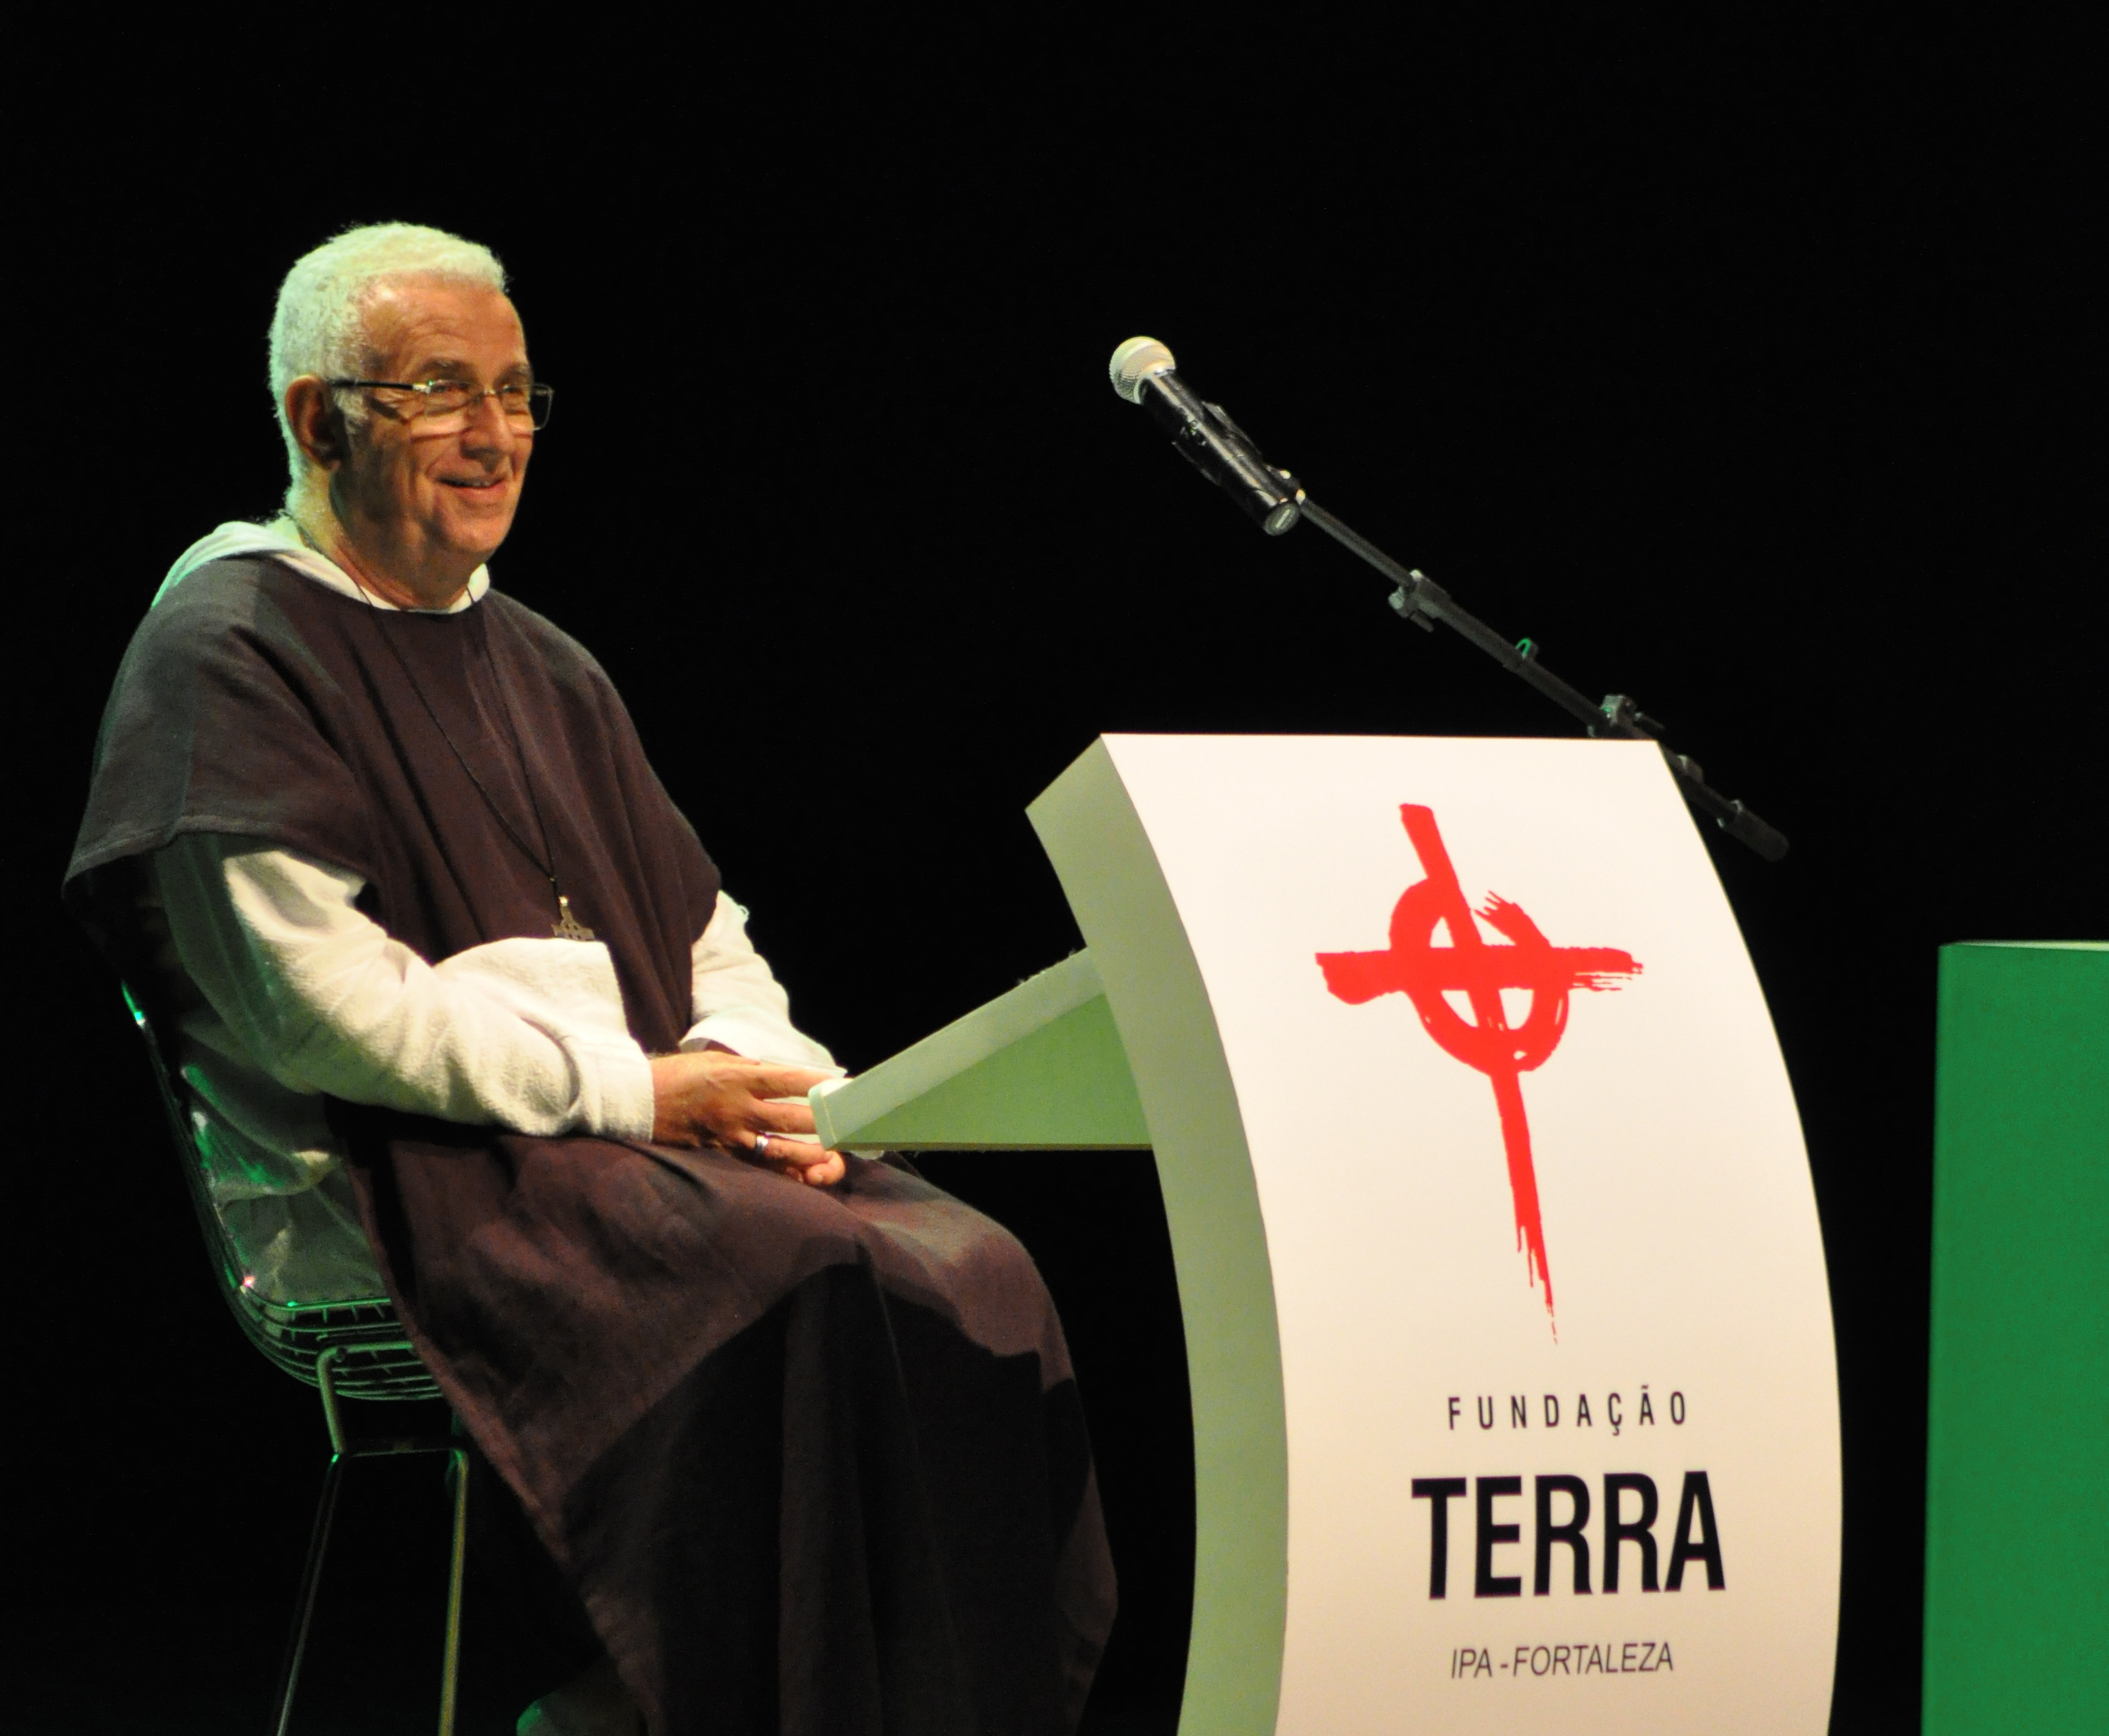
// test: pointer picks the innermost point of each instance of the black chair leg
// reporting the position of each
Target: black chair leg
(311, 1579)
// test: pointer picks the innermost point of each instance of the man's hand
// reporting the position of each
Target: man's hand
(717, 1098)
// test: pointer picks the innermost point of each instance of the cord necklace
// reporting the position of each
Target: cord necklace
(566, 926)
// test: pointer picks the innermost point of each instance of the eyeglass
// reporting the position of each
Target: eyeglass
(445, 398)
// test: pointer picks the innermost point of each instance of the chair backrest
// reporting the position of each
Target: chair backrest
(373, 1360)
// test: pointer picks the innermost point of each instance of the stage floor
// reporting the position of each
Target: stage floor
(169, 1670)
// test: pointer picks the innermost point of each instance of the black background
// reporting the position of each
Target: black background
(1750, 368)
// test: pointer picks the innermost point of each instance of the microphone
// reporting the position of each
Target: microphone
(1144, 373)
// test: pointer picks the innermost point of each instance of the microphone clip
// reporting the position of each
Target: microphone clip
(1205, 435)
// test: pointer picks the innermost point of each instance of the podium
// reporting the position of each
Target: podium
(2017, 1436)
(1507, 1327)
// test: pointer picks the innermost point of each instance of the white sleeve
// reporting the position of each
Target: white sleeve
(526, 1034)
(739, 1003)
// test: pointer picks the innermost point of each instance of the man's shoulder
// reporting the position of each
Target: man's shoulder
(238, 606)
(564, 657)
(217, 586)
(211, 602)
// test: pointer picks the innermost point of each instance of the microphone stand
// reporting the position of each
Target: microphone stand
(1420, 600)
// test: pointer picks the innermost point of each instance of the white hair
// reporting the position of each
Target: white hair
(319, 325)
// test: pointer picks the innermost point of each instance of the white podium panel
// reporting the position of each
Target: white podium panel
(1507, 1322)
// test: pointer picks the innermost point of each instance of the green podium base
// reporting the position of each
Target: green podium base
(2017, 1470)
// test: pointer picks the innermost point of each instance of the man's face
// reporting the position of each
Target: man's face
(432, 489)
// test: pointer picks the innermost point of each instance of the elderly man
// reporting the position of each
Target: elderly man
(465, 1011)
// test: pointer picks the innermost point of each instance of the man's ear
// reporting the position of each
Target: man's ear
(317, 423)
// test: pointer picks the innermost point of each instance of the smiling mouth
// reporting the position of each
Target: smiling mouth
(479, 486)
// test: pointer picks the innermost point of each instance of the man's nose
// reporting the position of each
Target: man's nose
(489, 428)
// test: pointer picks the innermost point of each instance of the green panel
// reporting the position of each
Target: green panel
(1066, 1086)
(2017, 1525)
(1109, 872)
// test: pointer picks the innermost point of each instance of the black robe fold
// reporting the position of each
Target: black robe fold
(813, 1459)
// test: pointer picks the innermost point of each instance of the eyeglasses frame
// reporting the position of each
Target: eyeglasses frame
(541, 394)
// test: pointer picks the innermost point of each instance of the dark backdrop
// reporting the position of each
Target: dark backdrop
(1753, 372)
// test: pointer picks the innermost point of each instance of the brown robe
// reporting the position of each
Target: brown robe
(812, 1459)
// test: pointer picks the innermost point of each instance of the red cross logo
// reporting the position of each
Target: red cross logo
(1422, 971)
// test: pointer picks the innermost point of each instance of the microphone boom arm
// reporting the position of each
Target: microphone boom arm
(1420, 600)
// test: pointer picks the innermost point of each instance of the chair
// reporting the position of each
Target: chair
(345, 1349)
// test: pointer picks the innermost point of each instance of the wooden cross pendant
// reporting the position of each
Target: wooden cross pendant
(566, 926)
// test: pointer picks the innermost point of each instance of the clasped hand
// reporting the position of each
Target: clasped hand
(716, 1098)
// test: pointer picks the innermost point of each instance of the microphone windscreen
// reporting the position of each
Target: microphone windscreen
(1134, 362)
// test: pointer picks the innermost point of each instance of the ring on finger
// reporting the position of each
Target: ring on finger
(761, 1148)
